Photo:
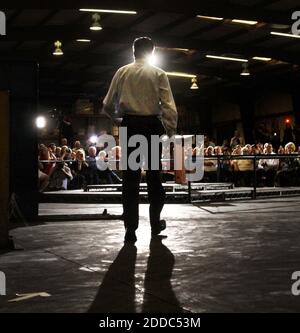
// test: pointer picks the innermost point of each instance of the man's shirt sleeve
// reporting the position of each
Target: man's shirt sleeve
(110, 100)
(168, 107)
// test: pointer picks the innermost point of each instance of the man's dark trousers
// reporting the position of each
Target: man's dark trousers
(146, 126)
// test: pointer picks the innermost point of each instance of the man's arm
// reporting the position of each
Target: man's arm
(168, 107)
(109, 102)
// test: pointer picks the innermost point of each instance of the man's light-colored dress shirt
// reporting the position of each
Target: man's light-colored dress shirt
(142, 89)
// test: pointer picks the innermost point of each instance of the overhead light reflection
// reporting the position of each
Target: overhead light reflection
(244, 22)
(83, 40)
(113, 11)
(284, 34)
(262, 58)
(226, 58)
(210, 18)
(178, 74)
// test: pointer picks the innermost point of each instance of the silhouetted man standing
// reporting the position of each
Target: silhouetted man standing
(142, 94)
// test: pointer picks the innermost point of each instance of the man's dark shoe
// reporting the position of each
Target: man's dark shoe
(130, 236)
(161, 226)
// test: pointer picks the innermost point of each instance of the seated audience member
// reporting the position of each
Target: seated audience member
(236, 151)
(79, 170)
(226, 166)
(104, 170)
(218, 150)
(210, 166)
(260, 148)
(244, 170)
(58, 152)
(73, 155)
(116, 154)
(52, 148)
(197, 151)
(59, 177)
(288, 174)
(77, 145)
(267, 168)
(66, 153)
(45, 155)
(281, 151)
(92, 174)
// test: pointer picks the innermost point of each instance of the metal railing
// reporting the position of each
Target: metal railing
(220, 160)
(255, 160)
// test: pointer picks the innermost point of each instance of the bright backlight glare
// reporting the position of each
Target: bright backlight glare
(153, 59)
(93, 139)
(40, 122)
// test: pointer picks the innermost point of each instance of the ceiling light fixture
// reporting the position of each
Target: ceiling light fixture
(177, 49)
(226, 58)
(262, 58)
(96, 24)
(58, 51)
(194, 85)
(112, 11)
(210, 18)
(181, 74)
(244, 22)
(83, 40)
(245, 71)
(284, 34)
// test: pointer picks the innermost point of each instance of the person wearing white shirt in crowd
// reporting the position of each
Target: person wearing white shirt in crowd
(267, 168)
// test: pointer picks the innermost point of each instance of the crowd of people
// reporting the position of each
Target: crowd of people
(63, 167)
(270, 171)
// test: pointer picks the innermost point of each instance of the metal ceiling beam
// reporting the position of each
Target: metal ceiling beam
(126, 36)
(203, 7)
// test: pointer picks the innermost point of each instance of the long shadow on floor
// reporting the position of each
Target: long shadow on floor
(159, 295)
(117, 291)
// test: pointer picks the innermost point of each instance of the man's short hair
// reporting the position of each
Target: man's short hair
(142, 46)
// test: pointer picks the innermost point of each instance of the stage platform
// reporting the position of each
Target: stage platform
(175, 193)
(217, 257)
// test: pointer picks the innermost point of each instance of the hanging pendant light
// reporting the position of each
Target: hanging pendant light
(194, 85)
(96, 22)
(58, 51)
(245, 71)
